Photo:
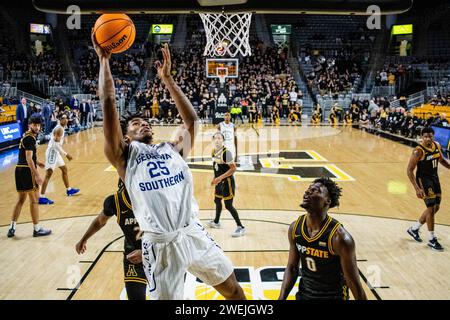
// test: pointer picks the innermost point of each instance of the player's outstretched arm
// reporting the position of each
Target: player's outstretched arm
(114, 146)
(186, 136)
(98, 223)
(344, 247)
(292, 268)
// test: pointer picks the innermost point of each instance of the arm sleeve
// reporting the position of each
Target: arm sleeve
(109, 206)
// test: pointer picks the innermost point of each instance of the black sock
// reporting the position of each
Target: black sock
(233, 211)
(218, 202)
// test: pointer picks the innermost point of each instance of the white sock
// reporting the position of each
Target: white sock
(69, 188)
(416, 226)
(13, 225)
(36, 227)
(432, 236)
(42, 195)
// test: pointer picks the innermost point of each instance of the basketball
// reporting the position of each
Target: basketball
(115, 32)
(221, 47)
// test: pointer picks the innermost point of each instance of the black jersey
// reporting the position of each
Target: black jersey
(427, 167)
(120, 185)
(332, 117)
(119, 204)
(316, 117)
(27, 143)
(321, 276)
(221, 161)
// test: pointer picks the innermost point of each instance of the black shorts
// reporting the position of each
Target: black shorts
(304, 295)
(225, 189)
(133, 272)
(432, 189)
(24, 179)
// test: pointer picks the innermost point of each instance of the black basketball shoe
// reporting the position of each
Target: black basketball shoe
(11, 232)
(414, 234)
(435, 245)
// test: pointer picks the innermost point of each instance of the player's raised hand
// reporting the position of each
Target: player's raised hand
(164, 67)
(102, 53)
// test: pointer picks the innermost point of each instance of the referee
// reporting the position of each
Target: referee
(28, 178)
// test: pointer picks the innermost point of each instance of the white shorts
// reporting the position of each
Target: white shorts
(53, 159)
(191, 249)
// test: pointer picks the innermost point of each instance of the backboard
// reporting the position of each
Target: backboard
(216, 68)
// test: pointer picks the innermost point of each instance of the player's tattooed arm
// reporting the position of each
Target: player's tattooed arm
(292, 269)
(415, 157)
(344, 247)
(186, 138)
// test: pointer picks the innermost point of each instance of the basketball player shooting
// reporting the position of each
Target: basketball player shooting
(160, 186)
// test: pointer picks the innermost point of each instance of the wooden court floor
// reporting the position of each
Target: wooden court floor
(377, 206)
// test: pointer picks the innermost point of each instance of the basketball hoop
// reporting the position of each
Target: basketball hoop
(227, 34)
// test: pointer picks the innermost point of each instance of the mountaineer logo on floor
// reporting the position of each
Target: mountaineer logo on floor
(295, 165)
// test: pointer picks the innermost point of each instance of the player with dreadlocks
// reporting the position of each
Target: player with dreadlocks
(325, 248)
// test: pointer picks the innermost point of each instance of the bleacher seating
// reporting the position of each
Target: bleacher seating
(351, 43)
(422, 111)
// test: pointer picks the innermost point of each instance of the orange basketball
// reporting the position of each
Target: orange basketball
(115, 32)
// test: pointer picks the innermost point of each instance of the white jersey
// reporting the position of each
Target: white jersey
(228, 133)
(54, 152)
(161, 187)
(52, 141)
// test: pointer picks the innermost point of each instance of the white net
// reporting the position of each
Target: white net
(227, 34)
